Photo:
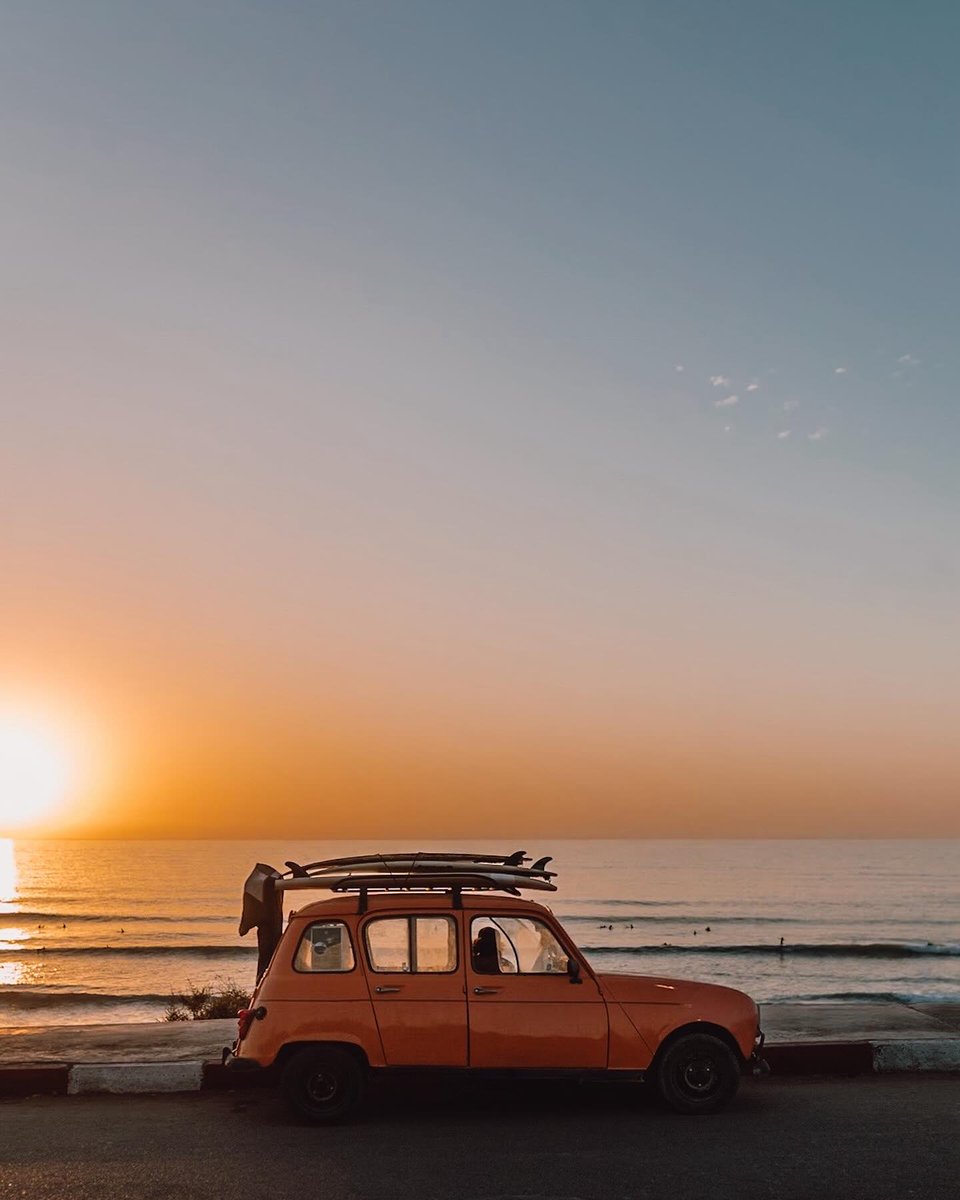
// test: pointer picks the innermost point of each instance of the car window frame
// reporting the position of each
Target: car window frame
(494, 919)
(411, 940)
(325, 921)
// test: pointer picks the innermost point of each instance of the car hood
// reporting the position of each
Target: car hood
(657, 989)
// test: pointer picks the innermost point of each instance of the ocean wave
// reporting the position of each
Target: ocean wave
(687, 920)
(30, 1000)
(674, 919)
(807, 950)
(128, 951)
(866, 998)
(60, 918)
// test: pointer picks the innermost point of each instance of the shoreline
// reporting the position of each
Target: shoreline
(802, 1039)
(115, 1013)
(21, 1018)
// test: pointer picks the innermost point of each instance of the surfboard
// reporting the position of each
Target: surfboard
(408, 866)
(355, 881)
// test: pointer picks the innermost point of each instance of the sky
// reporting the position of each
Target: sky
(454, 419)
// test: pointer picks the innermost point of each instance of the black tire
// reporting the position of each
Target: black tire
(323, 1083)
(698, 1074)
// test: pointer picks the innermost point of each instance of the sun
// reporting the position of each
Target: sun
(37, 771)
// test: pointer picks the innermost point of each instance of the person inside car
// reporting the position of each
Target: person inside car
(486, 952)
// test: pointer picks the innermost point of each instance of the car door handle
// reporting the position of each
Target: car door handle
(482, 991)
(381, 990)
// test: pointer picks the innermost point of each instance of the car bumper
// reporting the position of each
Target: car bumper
(231, 1060)
(756, 1064)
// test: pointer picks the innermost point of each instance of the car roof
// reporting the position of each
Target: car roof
(401, 902)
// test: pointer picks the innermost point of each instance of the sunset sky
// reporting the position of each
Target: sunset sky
(454, 419)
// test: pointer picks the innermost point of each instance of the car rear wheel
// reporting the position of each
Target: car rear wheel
(322, 1083)
(698, 1074)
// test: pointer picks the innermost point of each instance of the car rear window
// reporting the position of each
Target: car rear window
(324, 947)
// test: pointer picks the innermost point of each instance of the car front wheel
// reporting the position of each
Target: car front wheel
(322, 1083)
(698, 1074)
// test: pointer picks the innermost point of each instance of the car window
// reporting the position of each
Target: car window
(435, 944)
(424, 945)
(325, 946)
(515, 946)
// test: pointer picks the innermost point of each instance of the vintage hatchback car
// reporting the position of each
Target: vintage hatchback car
(438, 961)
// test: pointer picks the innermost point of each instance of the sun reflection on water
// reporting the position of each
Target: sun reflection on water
(8, 871)
(11, 972)
(10, 935)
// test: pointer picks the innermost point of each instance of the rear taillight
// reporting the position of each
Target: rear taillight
(246, 1017)
(244, 1021)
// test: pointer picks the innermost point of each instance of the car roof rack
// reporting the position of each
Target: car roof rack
(423, 860)
(422, 871)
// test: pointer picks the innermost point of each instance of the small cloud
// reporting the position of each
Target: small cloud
(818, 434)
(719, 381)
(784, 434)
(909, 360)
(791, 405)
(728, 402)
(727, 428)
(839, 370)
(753, 387)
(679, 367)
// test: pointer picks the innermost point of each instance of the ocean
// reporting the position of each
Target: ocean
(96, 932)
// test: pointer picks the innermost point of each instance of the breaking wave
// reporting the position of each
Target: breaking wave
(30, 1000)
(60, 918)
(129, 951)
(866, 998)
(805, 950)
(688, 919)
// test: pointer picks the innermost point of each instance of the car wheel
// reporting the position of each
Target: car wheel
(322, 1083)
(698, 1074)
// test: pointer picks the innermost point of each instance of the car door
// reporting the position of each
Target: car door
(417, 985)
(525, 1010)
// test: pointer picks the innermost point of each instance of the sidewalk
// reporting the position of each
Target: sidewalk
(845, 1039)
(883, 1021)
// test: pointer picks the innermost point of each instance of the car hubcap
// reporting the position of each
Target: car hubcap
(322, 1087)
(700, 1076)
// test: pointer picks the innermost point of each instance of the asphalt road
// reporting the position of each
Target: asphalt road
(875, 1137)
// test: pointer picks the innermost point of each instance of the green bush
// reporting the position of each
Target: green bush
(223, 998)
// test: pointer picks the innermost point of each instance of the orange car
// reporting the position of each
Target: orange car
(438, 961)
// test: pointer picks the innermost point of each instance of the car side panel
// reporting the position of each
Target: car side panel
(505, 1033)
(657, 1006)
(654, 1022)
(289, 1021)
(423, 1033)
(628, 1050)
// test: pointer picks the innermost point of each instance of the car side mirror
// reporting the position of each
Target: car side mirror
(573, 971)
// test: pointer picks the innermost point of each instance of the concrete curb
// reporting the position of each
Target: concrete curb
(808, 1058)
(940, 1055)
(123, 1078)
